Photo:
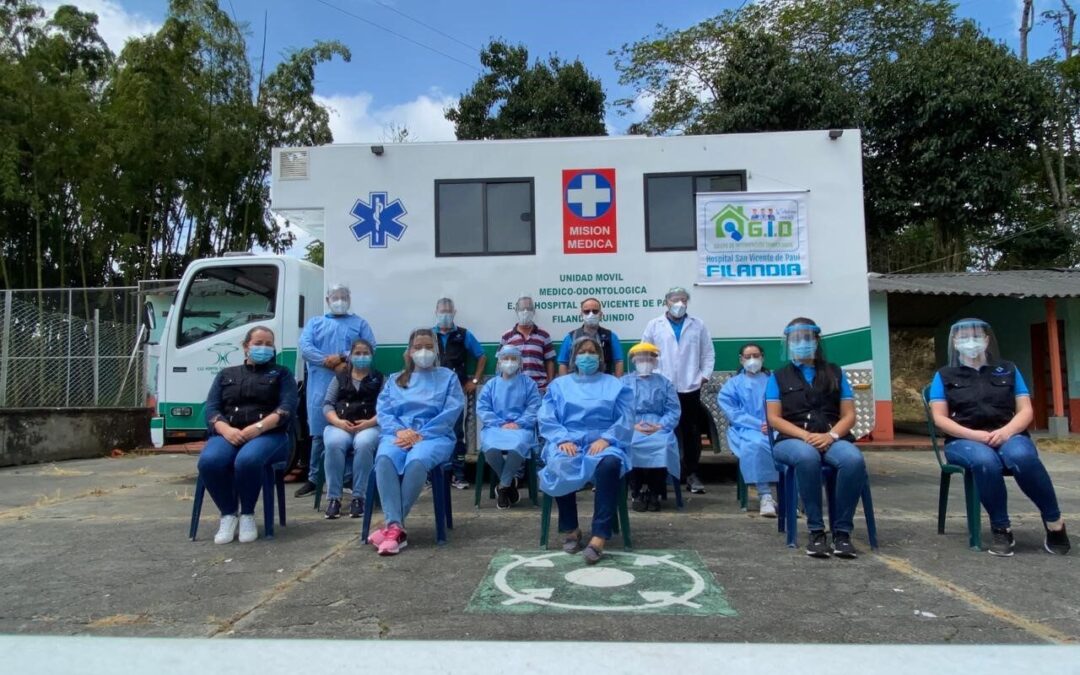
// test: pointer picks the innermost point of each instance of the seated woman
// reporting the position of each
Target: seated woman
(352, 428)
(811, 408)
(654, 452)
(249, 410)
(742, 399)
(417, 410)
(507, 408)
(587, 419)
(981, 404)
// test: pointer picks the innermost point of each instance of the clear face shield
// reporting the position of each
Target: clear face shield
(972, 343)
(802, 342)
(338, 299)
(509, 361)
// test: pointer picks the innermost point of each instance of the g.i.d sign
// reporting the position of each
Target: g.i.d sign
(752, 238)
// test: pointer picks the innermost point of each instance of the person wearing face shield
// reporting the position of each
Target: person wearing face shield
(586, 419)
(324, 345)
(537, 352)
(811, 408)
(742, 398)
(455, 345)
(654, 452)
(507, 409)
(982, 405)
(591, 314)
(687, 359)
(416, 410)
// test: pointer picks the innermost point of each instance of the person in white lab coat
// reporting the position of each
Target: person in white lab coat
(687, 359)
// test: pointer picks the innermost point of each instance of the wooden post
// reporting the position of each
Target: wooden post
(1055, 357)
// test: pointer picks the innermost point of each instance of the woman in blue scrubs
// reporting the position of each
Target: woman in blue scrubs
(507, 408)
(742, 399)
(654, 452)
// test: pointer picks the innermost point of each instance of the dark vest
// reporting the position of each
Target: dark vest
(983, 399)
(806, 405)
(250, 392)
(453, 356)
(604, 335)
(355, 404)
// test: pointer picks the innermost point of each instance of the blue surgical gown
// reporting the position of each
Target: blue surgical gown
(430, 405)
(581, 409)
(325, 336)
(655, 402)
(742, 399)
(503, 400)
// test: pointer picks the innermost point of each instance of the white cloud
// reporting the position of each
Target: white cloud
(355, 118)
(115, 24)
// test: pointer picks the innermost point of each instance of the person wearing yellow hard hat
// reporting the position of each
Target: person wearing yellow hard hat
(654, 452)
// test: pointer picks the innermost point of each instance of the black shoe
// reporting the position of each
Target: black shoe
(818, 545)
(513, 493)
(356, 507)
(842, 546)
(654, 501)
(1057, 542)
(502, 497)
(308, 488)
(695, 484)
(1003, 543)
(638, 502)
(333, 509)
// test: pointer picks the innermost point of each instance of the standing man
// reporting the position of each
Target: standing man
(455, 345)
(591, 314)
(537, 352)
(324, 345)
(687, 359)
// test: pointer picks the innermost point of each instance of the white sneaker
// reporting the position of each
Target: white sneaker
(249, 531)
(768, 507)
(227, 531)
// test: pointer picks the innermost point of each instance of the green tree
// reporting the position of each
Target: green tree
(513, 99)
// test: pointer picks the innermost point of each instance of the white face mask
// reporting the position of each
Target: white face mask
(644, 368)
(677, 309)
(423, 358)
(752, 365)
(525, 316)
(509, 366)
(592, 320)
(339, 306)
(971, 348)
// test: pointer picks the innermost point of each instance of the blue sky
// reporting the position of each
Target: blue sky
(394, 81)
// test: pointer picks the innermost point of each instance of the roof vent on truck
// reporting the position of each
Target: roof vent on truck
(293, 165)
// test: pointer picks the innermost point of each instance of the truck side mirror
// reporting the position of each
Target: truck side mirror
(149, 320)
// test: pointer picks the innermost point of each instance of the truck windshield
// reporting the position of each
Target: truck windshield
(220, 298)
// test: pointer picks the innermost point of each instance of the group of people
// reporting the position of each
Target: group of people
(601, 421)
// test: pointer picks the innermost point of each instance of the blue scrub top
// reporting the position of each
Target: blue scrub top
(772, 388)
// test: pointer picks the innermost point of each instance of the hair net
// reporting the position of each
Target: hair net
(339, 290)
(676, 290)
(509, 352)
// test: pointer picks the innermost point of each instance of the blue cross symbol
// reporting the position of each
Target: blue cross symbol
(588, 195)
(378, 220)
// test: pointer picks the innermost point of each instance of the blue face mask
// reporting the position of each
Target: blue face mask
(361, 362)
(803, 349)
(261, 354)
(587, 364)
(444, 320)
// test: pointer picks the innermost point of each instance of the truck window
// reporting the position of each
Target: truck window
(670, 222)
(484, 217)
(220, 298)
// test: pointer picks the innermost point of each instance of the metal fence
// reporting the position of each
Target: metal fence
(70, 348)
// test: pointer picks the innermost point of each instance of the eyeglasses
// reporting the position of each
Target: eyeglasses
(590, 312)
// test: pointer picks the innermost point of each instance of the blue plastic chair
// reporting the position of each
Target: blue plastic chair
(273, 476)
(440, 497)
(789, 498)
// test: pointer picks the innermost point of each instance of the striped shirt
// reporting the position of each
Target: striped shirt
(536, 349)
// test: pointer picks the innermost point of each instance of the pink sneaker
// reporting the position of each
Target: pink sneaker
(376, 538)
(393, 542)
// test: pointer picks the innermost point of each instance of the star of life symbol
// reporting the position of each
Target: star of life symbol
(588, 195)
(378, 219)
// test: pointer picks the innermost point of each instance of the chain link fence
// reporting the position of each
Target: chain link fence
(70, 348)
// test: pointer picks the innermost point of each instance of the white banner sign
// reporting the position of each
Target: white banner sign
(752, 238)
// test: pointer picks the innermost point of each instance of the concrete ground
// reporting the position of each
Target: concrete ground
(99, 547)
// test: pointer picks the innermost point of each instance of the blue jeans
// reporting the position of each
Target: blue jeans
(315, 464)
(396, 492)
(606, 479)
(504, 464)
(1019, 455)
(233, 474)
(339, 445)
(457, 460)
(850, 479)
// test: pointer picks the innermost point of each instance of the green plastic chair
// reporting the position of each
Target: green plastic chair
(621, 522)
(530, 476)
(971, 488)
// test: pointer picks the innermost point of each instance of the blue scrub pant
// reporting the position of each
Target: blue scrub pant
(233, 474)
(397, 492)
(339, 445)
(1019, 455)
(504, 464)
(850, 478)
(606, 479)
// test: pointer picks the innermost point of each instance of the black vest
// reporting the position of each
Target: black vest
(453, 356)
(983, 399)
(355, 404)
(604, 336)
(250, 392)
(806, 405)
